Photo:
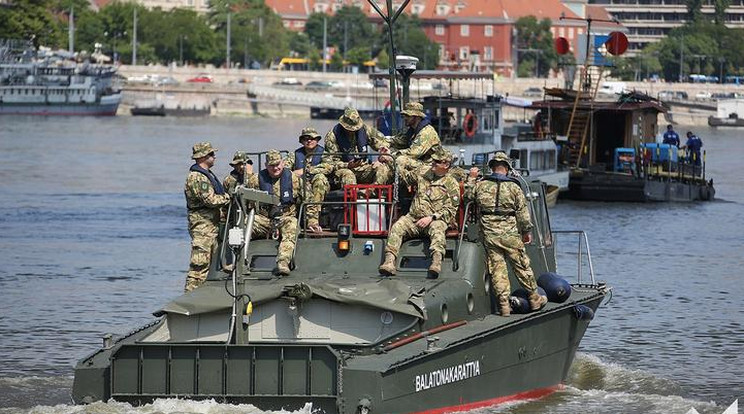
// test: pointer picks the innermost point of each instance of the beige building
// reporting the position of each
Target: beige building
(200, 6)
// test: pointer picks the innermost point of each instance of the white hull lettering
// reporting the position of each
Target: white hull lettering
(447, 375)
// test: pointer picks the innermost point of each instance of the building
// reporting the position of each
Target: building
(200, 6)
(650, 21)
(471, 34)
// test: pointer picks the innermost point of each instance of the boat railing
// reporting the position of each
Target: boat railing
(583, 258)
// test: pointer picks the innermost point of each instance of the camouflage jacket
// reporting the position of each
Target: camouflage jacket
(420, 146)
(251, 181)
(375, 140)
(435, 195)
(201, 197)
(509, 215)
(231, 182)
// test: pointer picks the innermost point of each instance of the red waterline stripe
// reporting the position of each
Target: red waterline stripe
(527, 395)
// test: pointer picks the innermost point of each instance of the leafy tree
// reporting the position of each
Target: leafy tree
(314, 28)
(30, 20)
(410, 39)
(535, 49)
(383, 59)
(720, 7)
(300, 44)
(694, 10)
(349, 27)
(337, 62)
(358, 55)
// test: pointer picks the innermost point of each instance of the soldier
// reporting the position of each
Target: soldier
(417, 144)
(505, 225)
(352, 135)
(237, 175)
(433, 209)
(204, 198)
(316, 183)
(275, 179)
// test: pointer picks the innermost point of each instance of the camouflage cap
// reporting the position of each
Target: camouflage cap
(309, 132)
(240, 157)
(350, 120)
(414, 109)
(273, 157)
(442, 154)
(500, 157)
(202, 149)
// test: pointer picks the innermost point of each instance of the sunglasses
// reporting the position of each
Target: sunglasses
(211, 154)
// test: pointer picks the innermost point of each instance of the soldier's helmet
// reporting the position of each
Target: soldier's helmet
(414, 109)
(442, 154)
(500, 158)
(273, 157)
(350, 120)
(202, 149)
(240, 157)
(310, 132)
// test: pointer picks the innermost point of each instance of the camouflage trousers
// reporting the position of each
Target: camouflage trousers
(287, 234)
(364, 174)
(405, 228)
(316, 189)
(203, 244)
(511, 246)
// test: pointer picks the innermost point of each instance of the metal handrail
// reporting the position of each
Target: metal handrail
(582, 237)
(456, 255)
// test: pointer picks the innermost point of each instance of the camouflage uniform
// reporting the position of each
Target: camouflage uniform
(503, 221)
(204, 211)
(338, 168)
(416, 145)
(317, 186)
(287, 224)
(436, 196)
(234, 178)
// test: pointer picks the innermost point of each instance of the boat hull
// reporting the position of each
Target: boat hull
(725, 122)
(482, 363)
(106, 108)
(598, 186)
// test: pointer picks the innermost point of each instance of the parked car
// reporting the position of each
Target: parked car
(289, 82)
(533, 91)
(202, 78)
(318, 85)
(380, 83)
(166, 81)
(678, 95)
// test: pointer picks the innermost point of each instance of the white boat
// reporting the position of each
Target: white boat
(43, 83)
(729, 112)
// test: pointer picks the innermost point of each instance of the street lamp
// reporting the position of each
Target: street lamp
(180, 48)
(115, 35)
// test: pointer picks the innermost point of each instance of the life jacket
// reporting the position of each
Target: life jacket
(216, 184)
(412, 132)
(266, 183)
(345, 145)
(498, 179)
(300, 157)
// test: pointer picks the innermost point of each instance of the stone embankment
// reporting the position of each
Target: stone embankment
(228, 93)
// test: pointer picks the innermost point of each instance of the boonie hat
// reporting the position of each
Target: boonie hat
(309, 132)
(414, 109)
(202, 149)
(500, 157)
(350, 120)
(442, 154)
(273, 157)
(240, 157)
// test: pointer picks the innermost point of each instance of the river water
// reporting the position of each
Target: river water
(93, 239)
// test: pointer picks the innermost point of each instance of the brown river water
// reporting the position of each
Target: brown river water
(93, 239)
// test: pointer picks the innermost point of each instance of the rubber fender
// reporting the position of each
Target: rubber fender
(557, 289)
(583, 313)
(520, 303)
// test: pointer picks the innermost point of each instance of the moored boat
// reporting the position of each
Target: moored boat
(43, 83)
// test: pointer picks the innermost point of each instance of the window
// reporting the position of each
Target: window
(464, 30)
(488, 30)
(299, 23)
(561, 32)
(488, 53)
(442, 52)
(464, 52)
(439, 30)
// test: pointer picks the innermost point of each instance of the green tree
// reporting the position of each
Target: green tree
(30, 20)
(358, 55)
(535, 49)
(337, 62)
(383, 59)
(314, 28)
(694, 10)
(410, 39)
(720, 7)
(349, 27)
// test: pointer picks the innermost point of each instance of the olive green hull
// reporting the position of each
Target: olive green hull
(481, 363)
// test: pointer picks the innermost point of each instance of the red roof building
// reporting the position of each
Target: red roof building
(472, 34)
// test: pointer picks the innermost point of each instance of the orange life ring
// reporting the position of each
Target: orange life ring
(470, 125)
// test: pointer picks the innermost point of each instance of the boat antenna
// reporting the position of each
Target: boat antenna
(389, 20)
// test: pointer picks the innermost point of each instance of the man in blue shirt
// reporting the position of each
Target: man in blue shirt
(693, 146)
(671, 137)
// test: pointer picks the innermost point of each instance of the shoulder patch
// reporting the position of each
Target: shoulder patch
(203, 186)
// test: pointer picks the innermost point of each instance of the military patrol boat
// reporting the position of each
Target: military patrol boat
(336, 334)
